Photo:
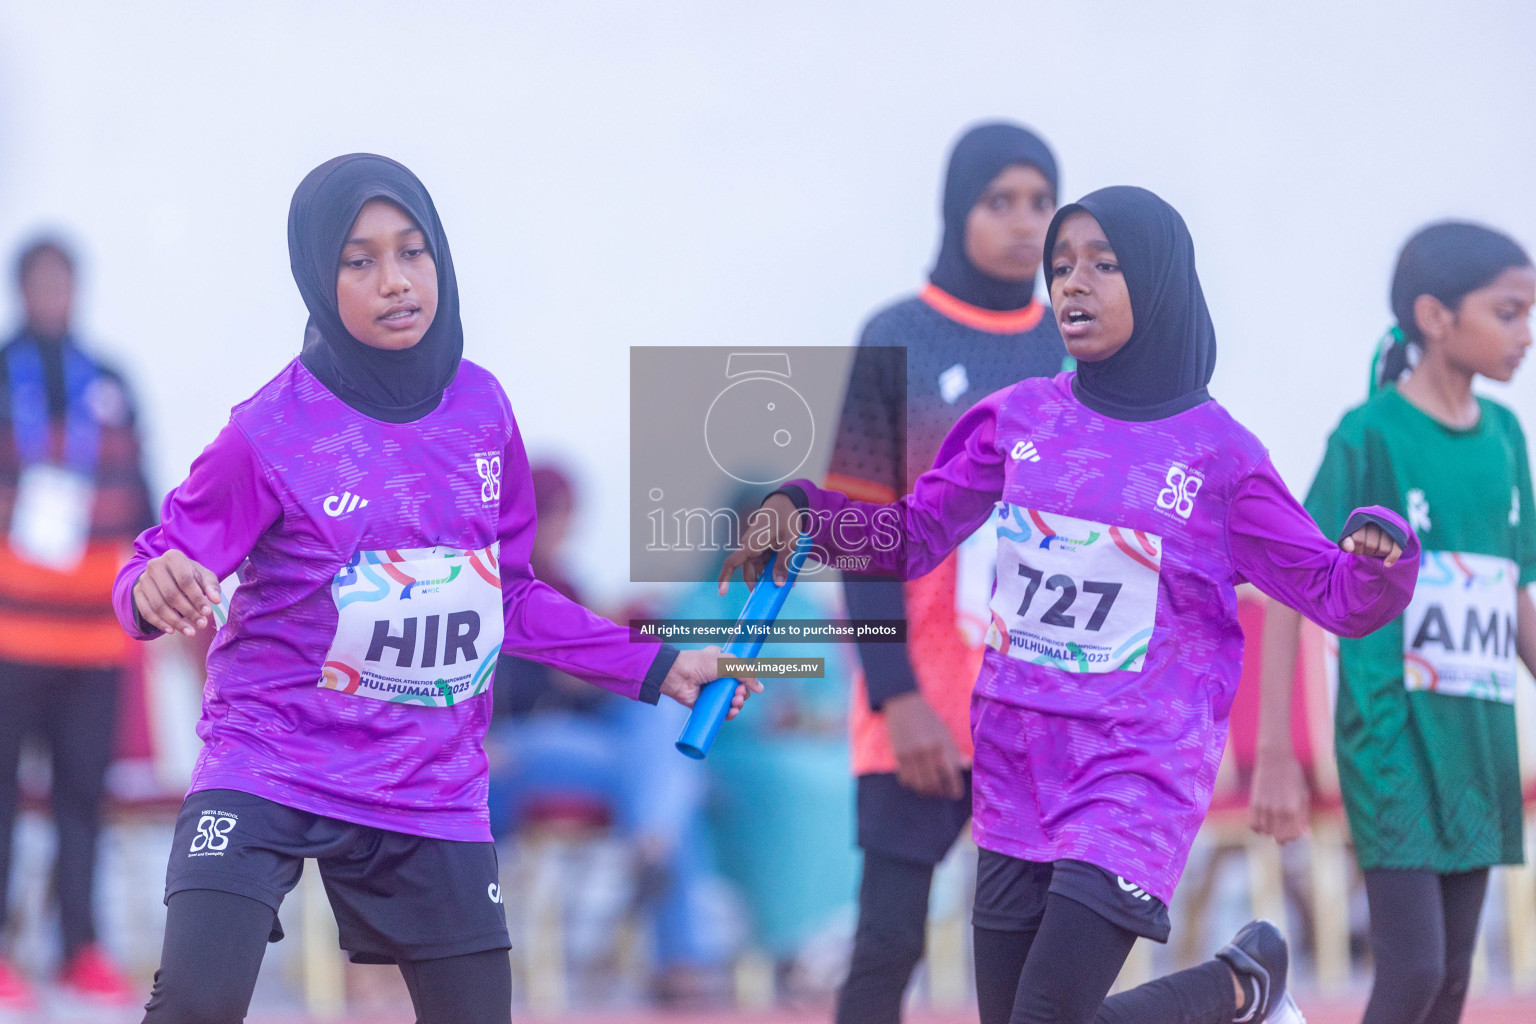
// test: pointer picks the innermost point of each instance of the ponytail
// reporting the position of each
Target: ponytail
(1395, 356)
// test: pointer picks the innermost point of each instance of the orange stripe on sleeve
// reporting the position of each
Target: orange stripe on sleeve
(860, 490)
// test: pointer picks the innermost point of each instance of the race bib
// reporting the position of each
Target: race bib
(52, 518)
(1459, 630)
(1075, 595)
(418, 626)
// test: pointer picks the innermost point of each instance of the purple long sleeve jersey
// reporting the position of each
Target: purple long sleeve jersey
(1114, 652)
(383, 566)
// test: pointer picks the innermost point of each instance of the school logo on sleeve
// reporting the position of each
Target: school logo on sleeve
(212, 836)
(1183, 487)
(488, 467)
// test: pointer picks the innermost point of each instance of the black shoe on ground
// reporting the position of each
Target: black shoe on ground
(1259, 957)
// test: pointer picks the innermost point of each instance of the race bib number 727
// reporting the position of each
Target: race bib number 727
(1072, 594)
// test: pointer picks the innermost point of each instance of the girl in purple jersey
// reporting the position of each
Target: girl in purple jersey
(375, 499)
(1128, 505)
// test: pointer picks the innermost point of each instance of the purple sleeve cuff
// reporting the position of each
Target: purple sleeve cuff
(146, 631)
(796, 494)
(122, 603)
(1393, 527)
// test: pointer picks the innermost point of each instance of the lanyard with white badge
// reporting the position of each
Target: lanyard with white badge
(52, 518)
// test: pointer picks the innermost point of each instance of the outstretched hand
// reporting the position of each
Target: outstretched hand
(1371, 541)
(772, 529)
(175, 594)
(693, 669)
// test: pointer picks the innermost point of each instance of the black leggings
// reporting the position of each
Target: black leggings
(1061, 974)
(1423, 930)
(893, 921)
(214, 942)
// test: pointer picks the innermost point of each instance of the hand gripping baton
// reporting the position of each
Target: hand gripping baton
(762, 606)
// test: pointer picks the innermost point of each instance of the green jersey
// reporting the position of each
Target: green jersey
(1425, 723)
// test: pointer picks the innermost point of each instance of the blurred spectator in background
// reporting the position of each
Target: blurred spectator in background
(72, 498)
(781, 799)
(558, 744)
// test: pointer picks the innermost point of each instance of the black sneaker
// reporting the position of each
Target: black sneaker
(1258, 956)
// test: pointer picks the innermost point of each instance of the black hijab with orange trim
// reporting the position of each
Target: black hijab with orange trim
(980, 155)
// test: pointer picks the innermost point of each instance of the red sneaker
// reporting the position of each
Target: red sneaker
(91, 975)
(15, 992)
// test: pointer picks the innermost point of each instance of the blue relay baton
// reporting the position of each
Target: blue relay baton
(762, 607)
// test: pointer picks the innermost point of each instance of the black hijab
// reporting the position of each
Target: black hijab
(982, 154)
(394, 386)
(1165, 366)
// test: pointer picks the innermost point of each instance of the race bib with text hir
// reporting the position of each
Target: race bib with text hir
(1459, 629)
(420, 626)
(1071, 594)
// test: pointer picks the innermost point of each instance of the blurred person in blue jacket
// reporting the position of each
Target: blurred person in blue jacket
(72, 498)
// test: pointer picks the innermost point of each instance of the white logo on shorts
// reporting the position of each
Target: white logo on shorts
(213, 830)
(1135, 891)
(1183, 485)
(489, 468)
(494, 892)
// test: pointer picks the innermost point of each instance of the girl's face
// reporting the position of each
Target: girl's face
(1088, 293)
(386, 285)
(1490, 330)
(1005, 230)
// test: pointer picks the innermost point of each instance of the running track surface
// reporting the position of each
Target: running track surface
(1478, 1012)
